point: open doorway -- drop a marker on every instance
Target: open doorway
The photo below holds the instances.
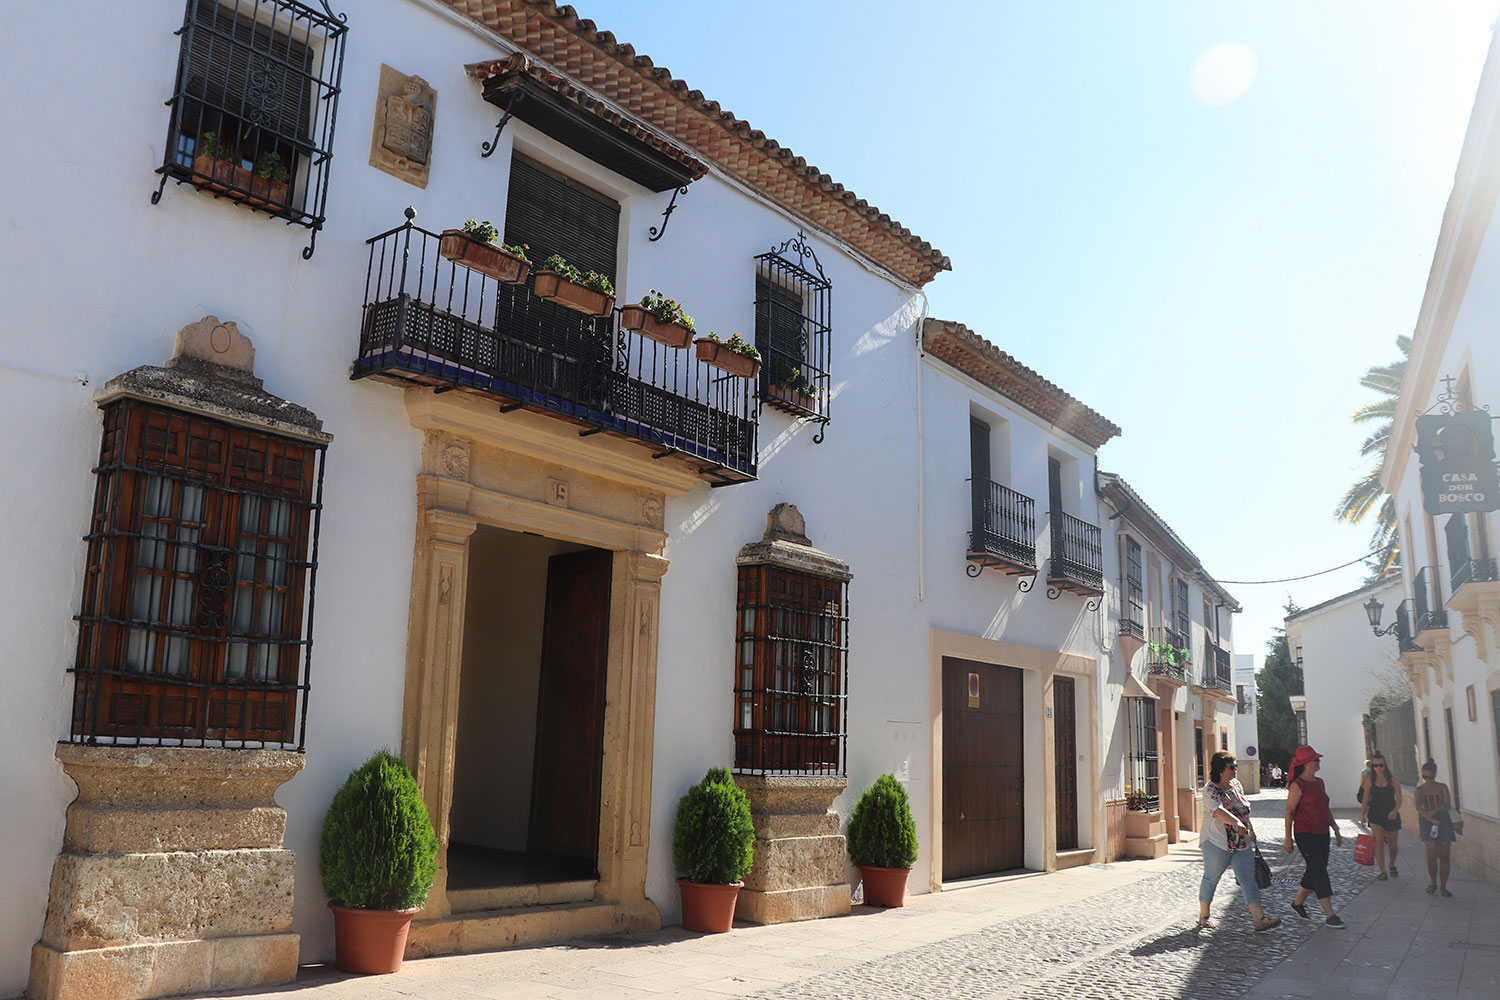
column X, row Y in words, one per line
column 529, row 748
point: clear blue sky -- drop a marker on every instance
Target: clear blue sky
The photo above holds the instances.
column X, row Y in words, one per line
column 1212, row 273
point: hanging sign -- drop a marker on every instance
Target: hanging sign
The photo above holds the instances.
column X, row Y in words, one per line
column 1457, row 451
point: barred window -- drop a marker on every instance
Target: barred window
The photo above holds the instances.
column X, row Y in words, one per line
column 1144, row 766
column 790, row 674
column 792, row 325
column 191, row 626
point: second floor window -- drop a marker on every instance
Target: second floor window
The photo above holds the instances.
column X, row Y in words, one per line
column 1180, row 611
column 1132, row 611
column 792, row 330
column 553, row 214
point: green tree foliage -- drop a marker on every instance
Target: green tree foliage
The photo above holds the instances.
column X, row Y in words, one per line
column 1367, row 494
column 882, row 832
column 714, row 839
column 378, row 851
column 1278, row 679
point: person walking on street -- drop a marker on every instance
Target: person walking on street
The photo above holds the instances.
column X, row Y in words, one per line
column 1435, row 823
column 1382, row 805
column 1275, row 775
column 1308, row 820
column 1226, row 841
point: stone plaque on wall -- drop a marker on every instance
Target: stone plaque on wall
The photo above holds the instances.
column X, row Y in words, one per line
column 401, row 143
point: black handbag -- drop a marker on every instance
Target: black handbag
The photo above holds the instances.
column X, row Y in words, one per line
column 1262, row 870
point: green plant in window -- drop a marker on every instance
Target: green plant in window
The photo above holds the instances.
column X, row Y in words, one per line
column 737, row 344
column 210, row 146
column 588, row 279
column 792, row 379
column 517, row 250
column 665, row 310
column 484, row 231
column 268, row 165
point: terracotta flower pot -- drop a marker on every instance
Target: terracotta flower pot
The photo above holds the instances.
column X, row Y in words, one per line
column 369, row 942
column 794, row 400
column 486, row 258
column 706, row 907
column 639, row 319
column 723, row 358
column 221, row 173
column 265, row 191
column 884, row 886
column 555, row 288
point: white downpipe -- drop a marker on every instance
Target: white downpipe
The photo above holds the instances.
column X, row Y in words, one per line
column 921, row 482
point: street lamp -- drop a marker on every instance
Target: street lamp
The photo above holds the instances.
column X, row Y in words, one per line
column 1373, row 608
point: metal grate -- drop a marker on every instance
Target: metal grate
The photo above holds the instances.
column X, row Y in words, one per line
column 1077, row 562
column 1144, row 766
column 1003, row 525
column 256, row 100
column 792, row 325
column 1133, row 599
column 196, row 620
column 791, row 672
column 1427, row 601
column 1166, row 654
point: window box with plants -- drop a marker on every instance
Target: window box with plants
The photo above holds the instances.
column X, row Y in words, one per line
column 377, row 857
column 713, row 846
column 588, row 292
column 883, row 841
column 735, row 355
column 477, row 246
column 659, row 318
column 790, row 389
column 265, row 183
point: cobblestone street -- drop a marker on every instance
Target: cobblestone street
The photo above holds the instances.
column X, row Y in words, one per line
column 1105, row 931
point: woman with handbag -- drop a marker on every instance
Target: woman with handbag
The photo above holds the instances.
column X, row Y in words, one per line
column 1228, row 839
column 1435, row 823
column 1308, row 820
column 1382, row 806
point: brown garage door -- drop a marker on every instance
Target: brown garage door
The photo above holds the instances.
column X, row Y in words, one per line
column 983, row 783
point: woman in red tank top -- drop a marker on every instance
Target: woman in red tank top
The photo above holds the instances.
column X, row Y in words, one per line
column 1308, row 820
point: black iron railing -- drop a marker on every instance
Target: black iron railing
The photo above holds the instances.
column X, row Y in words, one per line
column 1405, row 638
column 1167, row 654
column 1223, row 675
column 1003, row 528
column 431, row 321
column 1143, row 778
column 1133, row 618
column 1467, row 567
column 1077, row 562
column 1427, row 601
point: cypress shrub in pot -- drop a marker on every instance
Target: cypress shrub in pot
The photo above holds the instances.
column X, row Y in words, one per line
column 883, row 841
column 377, row 857
column 713, row 846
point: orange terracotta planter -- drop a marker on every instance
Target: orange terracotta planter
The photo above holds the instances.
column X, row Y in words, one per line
column 486, row 258
column 555, row 288
column 884, row 886
column 221, row 173
column 708, row 908
column 369, row 942
column 723, row 358
column 639, row 319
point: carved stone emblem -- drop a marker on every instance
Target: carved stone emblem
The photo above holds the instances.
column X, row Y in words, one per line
column 651, row 512
column 456, row 461
column 220, row 342
column 405, row 111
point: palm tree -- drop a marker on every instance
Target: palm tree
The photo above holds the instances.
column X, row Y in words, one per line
column 1367, row 493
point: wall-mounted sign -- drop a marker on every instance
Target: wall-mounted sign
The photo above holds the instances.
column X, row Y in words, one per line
column 1249, row 751
column 973, row 690
column 1457, row 451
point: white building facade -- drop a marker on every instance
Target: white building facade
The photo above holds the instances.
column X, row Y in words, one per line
column 1246, row 728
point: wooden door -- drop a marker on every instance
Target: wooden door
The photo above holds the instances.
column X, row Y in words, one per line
column 983, row 780
column 566, row 776
column 1065, row 742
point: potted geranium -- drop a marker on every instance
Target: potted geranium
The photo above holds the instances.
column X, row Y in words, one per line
column 269, row 179
column 883, row 841
column 790, row 385
column 735, row 355
column 477, row 246
column 713, row 846
column 659, row 318
column 377, row 857
column 588, row 292
column 216, row 161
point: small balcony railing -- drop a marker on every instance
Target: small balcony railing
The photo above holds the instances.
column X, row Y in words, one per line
column 1002, row 531
column 1167, row 654
column 1133, row 617
column 1405, row 639
column 1077, row 562
column 1475, row 570
column 1427, row 601
column 1223, row 676
column 430, row 321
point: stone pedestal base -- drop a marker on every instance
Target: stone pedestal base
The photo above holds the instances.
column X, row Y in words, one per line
column 172, row 877
column 799, row 870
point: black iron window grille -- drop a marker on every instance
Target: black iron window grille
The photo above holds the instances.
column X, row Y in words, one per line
column 1077, row 560
column 1002, row 531
column 1167, row 654
column 1223, row 677
column 1467, row 566
column 1180, row 612
column 792, row 326
column 1427, row 601
column 791, row 672
column 1143, row 781
column 196, row 619
column 1132, row 594
column 253, row 113
column 431, row 321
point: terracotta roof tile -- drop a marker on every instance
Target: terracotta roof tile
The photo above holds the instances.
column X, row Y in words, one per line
column 575, row 46
column 982, row 361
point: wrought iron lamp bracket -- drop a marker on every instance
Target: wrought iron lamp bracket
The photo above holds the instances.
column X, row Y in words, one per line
column 489, row 148
column 666, row 215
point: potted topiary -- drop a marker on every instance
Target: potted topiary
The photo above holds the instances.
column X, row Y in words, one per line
column 377, row 857
column 713, row 845
column 735, row 355
column 588, row 292
column 477, row 246
column 883, row 841
column 659, row 318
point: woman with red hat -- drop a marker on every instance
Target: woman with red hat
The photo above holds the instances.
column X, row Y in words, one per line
column 1308, row 820
column 1382, row 805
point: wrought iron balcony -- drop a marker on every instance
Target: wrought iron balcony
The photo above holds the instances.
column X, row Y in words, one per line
column 1077, row 562
column 1223, row 674
column 1405, row 641
column 1475, row 571
column 1133, row 618
column 1167, row 654
column 1427, row 602
column 430, row 321
column 1002, row 532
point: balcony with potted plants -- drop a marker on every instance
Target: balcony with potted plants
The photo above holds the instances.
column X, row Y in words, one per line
column 457, row 310
column 1168, row 656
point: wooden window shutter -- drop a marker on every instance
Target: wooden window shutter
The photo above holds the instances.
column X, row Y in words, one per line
column 554, row 215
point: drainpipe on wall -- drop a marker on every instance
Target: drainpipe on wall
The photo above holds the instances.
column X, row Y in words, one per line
column 921, row 483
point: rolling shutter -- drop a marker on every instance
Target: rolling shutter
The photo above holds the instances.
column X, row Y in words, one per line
column 554, row 215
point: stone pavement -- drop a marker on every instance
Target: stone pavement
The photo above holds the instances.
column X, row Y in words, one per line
column 1105, row 931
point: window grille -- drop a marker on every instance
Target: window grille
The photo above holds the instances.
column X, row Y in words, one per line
column 792, row 326
column 1144, row 777
column 196, row 616
column 1181, row 613
column 253, row 113
column 790, row 672
column 1133, row 607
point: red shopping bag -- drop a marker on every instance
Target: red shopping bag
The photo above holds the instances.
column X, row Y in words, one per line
column 1364, row 849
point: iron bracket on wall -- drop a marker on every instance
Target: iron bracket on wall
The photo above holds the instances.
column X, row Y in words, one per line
column 1026, row 584
column 973, row 569
column 666, row 216
column 516, row 97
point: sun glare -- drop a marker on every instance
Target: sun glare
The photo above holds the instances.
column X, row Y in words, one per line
column 1223, row 74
